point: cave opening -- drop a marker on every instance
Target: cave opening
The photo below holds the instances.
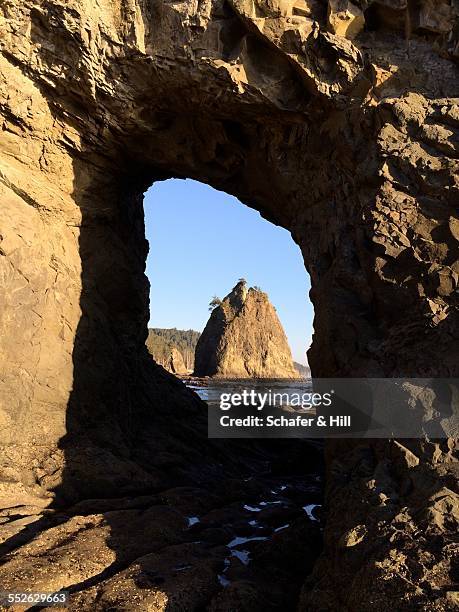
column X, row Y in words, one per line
column 336, row 122
column 201, row 241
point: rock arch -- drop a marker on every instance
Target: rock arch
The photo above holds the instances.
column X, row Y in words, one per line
column 351, row 145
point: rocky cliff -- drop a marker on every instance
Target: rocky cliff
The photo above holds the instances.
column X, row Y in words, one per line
column 173, row 348
column 174, row 362
column 337, row 120
column 244, row 339
column 303, row 370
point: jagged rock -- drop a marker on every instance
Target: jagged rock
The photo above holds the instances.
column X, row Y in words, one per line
column 173, row 348
column 176, row 364
column 350, row 145
column 454, row 227
column 439, row 16
column 244, row 339
column 167, row 355
column 345, row 19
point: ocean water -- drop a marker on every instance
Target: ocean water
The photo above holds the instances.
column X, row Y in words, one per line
column 210, row 390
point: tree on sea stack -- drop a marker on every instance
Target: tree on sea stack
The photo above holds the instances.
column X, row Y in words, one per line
column 214, row 303
column 244, row 338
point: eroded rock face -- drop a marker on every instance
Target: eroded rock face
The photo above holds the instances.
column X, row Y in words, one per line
column 176, row 364
column 244, row 339
column 172, row 361
column 351, row 145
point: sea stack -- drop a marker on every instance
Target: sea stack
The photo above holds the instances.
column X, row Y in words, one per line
column 244, row 338
column 168, row 347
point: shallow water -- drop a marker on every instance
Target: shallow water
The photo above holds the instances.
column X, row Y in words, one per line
column 309, row 510
column 286, row 495
column 209, row 390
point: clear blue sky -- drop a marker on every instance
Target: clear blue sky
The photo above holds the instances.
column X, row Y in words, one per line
column 202, row 241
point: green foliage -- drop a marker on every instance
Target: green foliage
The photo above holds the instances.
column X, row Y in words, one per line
column 242, row 280
column 257, row 288
column 214, row 303
column 160, row 343
column 159, row 348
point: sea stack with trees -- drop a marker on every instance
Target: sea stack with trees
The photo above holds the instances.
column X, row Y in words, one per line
column 244, row 338
column 173, row 348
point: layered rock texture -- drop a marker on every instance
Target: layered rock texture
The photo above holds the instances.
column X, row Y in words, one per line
column 244, row 339
column 338, row 121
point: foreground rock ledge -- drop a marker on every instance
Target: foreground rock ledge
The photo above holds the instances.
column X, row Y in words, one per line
column 351, row 145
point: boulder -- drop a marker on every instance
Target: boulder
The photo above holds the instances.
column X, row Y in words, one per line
column 345, row 18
